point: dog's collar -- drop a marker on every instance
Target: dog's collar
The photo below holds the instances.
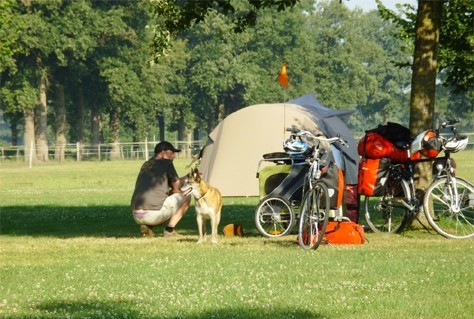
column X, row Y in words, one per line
column 203, row 195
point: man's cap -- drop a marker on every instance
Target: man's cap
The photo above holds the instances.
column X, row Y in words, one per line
column 165, row 146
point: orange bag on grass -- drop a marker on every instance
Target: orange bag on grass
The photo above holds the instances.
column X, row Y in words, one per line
column 339, row 233
column 344, row 232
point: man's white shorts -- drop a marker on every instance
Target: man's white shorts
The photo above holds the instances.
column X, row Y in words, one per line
column 157, row 217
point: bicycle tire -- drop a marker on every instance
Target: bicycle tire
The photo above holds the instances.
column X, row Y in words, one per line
column 314, row 216
column 445, row 217
column 274, row 217
column 381, row 215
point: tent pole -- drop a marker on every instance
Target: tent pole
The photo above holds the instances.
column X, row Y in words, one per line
column 284, row 118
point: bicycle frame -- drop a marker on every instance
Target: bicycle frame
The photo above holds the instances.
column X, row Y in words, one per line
column 451, row 181
column 314, row 171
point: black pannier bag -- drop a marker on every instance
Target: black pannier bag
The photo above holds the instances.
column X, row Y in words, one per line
column 396, row 133
column 333, row 177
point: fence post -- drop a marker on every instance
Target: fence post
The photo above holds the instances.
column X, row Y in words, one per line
column 31, row 155
column 145, row 155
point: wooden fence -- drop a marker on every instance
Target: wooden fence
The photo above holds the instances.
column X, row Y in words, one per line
column 102, row 152
column 124, row 151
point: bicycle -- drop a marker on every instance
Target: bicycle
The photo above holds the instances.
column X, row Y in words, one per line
column 277, row 210
column 448, row 202
column 315, row 205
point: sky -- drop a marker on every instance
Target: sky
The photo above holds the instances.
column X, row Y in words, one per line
column 368, row 5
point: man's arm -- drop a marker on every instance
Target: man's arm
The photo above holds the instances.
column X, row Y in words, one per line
column 176, row 185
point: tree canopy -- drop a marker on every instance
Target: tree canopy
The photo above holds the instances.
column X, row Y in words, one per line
column 92, row 60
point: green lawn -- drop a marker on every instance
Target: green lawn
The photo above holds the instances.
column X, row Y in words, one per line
column 69, row 248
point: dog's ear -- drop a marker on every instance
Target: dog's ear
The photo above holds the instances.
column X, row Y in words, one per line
column 193, row 173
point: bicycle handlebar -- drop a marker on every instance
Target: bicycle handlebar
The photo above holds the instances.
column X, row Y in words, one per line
column 330, row 140
column 450, row 123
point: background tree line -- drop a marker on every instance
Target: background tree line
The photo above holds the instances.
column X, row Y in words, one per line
column 80, row 70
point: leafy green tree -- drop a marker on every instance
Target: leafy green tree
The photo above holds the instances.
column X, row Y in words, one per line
column 452, row 44
column 10, row 33
column 348, row 64
column 214, row 69
column 31, row 51
column 173, row 17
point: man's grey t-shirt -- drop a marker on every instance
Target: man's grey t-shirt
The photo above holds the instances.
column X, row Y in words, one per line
column 153, row 184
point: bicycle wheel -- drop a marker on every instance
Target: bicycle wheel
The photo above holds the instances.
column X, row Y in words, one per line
column 314, row 217
column 274, row 217
column 449, row 216
column 385, row 213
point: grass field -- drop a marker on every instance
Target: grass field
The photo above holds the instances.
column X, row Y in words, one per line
column 69, row 248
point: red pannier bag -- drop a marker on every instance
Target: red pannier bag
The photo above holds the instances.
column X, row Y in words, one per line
column 372, row 175
column 351, row 199
column 398, row 155
column 344, row 232
column 374, row 145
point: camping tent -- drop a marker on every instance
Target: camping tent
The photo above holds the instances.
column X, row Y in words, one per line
column 231, row 157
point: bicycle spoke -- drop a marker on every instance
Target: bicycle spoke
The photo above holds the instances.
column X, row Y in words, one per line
column 445, row 216
column 274, row 217
column 313, row 217
column 383, row 213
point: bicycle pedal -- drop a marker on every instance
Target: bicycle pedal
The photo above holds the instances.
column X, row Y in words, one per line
column 404, row 202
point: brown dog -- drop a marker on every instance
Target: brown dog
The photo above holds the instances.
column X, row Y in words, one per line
column 207, row 202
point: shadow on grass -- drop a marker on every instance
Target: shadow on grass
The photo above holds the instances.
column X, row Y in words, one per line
column 124, row 309
column 102, row 221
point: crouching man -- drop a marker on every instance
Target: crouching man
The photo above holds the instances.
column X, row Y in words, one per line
column 157, row 198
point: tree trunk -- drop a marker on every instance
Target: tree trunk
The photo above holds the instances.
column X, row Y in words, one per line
column 80, row 114
column 41, row 120
column 196, row 132
column 95, row 125
column 161, row 126
column 423, row 85
column 29, row 133
column 80, row 120
column 115, row 134
column 181, row 125
column 61, row 124
column 14, row 122
column 221, row 112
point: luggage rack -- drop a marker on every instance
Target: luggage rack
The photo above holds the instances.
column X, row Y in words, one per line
column 280, row 158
